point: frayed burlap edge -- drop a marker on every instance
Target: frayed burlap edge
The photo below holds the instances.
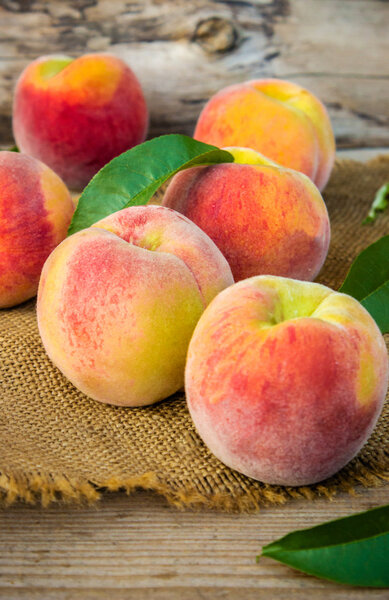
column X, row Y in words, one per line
column 46, row 489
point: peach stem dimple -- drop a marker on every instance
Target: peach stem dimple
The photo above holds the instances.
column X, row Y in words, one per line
column 51, row 68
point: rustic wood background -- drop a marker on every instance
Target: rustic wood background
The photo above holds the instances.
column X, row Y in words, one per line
column 138, row 548
column 184, row 51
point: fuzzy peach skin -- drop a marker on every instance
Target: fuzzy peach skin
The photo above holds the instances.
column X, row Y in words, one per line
column 118, row 303
column 264, row 218
column 278, row 118
column 35, row 213
column 285, row 379
column 76, row 115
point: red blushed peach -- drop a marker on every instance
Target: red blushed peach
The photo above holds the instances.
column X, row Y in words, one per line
column 35, row 213
column 277, row 118
column 285, row 379
column 264, row 218
column 118, row 303
column 76, row 115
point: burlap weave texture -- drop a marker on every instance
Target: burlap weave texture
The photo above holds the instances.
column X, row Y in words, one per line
column 55, row 443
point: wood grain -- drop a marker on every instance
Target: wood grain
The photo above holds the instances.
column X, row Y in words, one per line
column 138, row 547
column 183, row 52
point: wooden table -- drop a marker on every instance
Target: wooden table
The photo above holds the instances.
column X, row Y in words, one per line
column 138, row 547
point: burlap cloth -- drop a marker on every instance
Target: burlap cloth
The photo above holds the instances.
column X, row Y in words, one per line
column 56, row 444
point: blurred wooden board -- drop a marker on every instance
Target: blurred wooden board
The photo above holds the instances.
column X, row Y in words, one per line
column 183, row 52
column 140, row 548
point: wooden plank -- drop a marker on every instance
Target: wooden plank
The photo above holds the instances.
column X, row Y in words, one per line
column 185, row 51
column 143, row 545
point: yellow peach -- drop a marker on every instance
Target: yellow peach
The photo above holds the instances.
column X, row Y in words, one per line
column 265, row 219
column 278, row 118
column 285, row 379
column 77, row 114
column 118, row 302
column 35, row 213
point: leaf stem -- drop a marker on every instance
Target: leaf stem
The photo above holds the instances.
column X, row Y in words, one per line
column 380, row 203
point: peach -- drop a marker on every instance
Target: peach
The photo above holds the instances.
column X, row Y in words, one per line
column 76, row 115
column 35, row 213
column 278, row 118
column 264, row 218
column 285, row 379
column 118, row 303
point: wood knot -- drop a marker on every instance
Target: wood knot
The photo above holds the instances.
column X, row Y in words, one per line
column 216, row 35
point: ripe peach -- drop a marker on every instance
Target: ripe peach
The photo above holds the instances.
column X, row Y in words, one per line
column 35, row 213
column 76, row 115
column 278, row 118
column 285, row 379
column 265, row 219
column 118, row 303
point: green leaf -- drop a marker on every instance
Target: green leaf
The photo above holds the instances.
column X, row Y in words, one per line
column 353, row 550
column 132, row 178
column 13, row 149
column 368, row 281
column 380, row 202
